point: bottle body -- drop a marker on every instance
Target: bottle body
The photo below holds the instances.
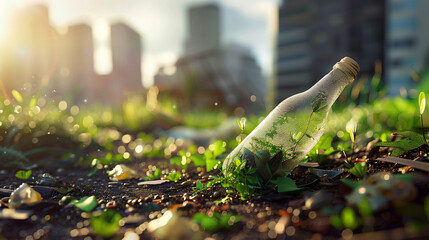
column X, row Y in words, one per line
column 298, row 122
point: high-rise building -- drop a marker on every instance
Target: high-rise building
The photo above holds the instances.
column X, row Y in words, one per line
column 293, row 48
column 27, row 57
column 407, row 45
column 313, row 35
column 61, row 62
column 126, row 56
column 203, row 29
column 210, row 74
column 75, row 71
column 76, row 75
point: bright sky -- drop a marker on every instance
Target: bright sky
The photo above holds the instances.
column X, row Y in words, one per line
column 162, row 25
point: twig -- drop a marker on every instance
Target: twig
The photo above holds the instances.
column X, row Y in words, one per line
column 415, row 164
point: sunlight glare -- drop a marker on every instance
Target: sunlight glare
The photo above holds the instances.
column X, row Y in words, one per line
column 102, row 54
column 4, row 24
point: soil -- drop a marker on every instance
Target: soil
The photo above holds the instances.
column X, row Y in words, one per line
column 272, row 216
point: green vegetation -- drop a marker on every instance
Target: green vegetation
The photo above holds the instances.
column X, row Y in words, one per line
column 408, row 141
column 86, row 204
column 215, row 222
column 23, row 175
column 38, row 132
column 359, row 170
column 106, row 224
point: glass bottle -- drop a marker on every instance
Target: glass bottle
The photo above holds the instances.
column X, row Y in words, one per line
column 298, row 122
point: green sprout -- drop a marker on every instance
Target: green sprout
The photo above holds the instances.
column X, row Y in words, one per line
column 153, row 176
column 174, row 176
column 17, row 96
column 23, row 175
column 211, row 161
column 86, row 204
column 422, row 105
column 317, row 103
column 106, row 224
column 409, row 141
column 359, row 169
column 349, row 218
column 216, row 221
column 352, row 137
column 241, row 124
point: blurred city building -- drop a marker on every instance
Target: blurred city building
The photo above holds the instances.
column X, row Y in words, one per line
column 126, row 54
column 125, row 77
column 60, row 62
column 407, row 48
column 204, row 31
column 211, row 74
column 313, row 35
column 75, row 72
column 27, row 58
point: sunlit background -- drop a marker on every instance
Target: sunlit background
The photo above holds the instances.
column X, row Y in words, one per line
column 208, row 53
column 57, row 32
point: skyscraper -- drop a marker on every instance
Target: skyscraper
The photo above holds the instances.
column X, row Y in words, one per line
column 126, row 56
column 211, row 74
column 27, row 58
column 407, row 47
column 313, row 35
column 293, row 48
column 76, row 76
column 203, row 29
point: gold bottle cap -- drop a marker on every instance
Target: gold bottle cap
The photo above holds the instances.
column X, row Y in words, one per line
column 348, row 66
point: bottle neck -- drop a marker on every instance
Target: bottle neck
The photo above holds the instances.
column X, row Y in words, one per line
column 332, row 85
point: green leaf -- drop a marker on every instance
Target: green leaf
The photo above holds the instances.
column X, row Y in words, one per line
column 409, row 141
column 336, row 222
column 211, row 164
column 408, row 177
column 17, row 96
column 364, row 208
column 422, row 102
column 32, row 102
column 228, row 220
column 215, row 222
column 175, row 160
column 64, row 190
column 199, row 161
column 156, row 175
column 352, row 184
column 285, row 185
column 86, row 204
column 106, row 224
column 250, row 157
column 241, row 123
column 198, row 217
column 324, row 143
column 359, row 170
column 318, row 102
column 210, row 224
column 218, row 149
column 276, row 161
column 349, row 218
column 182, row 153
column 23, row 175
column 262, row 167
column 208, row 154
column 262, row 156
column 174, row 176
column 199, row 185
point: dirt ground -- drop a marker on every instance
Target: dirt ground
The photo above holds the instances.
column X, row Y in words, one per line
column 271, row 216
